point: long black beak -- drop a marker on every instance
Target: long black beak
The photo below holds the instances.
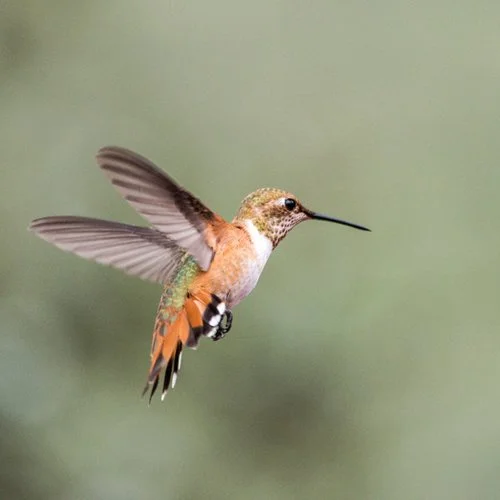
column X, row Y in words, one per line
column 316, row 216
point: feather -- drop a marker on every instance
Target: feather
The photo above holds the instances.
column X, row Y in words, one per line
column 139, row 251
column 162, row 202
column 176, row 327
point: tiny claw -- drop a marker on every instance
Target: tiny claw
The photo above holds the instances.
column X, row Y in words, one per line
column 224, row 328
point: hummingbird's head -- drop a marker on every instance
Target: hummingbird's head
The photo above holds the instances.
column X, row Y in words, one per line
column 275, row 212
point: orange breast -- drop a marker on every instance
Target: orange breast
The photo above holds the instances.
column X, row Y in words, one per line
column 233, row 272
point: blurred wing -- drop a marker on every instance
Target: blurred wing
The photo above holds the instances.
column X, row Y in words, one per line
column 138, row 251
column 162, row 202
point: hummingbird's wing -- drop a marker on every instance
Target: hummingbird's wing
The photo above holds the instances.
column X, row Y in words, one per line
column 139, row 251
column 162, row 202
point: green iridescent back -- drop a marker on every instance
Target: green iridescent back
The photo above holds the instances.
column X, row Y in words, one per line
column 174, row 293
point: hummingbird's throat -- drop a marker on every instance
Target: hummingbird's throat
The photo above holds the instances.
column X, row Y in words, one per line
column 262, row 244
column 275, row 227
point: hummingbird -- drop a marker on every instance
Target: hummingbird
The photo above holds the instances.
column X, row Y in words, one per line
column 205, row 264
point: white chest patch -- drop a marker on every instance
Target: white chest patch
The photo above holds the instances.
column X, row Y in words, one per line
column 262, row 244
column 263, row 249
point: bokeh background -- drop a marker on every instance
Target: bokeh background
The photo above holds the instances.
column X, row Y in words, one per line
column 364, row 366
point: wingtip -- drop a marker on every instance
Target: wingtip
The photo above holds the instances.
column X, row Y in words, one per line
column 106, row 152
column 35, row 224
column 108, row 147
column 103, row 153
column 41, row 224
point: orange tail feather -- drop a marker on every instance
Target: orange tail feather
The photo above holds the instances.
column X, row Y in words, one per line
column 200, row 315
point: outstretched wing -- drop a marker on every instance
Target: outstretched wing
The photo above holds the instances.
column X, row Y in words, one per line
column 139, row 251
column 162, row 202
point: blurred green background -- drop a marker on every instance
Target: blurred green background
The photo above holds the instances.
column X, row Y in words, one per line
column 364, row 366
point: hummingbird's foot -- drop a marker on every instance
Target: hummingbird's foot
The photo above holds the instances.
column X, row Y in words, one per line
column 224, row 328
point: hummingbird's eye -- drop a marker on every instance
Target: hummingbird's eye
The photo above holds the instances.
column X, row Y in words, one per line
column 290, row 204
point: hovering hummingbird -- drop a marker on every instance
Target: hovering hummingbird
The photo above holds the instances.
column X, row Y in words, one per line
column 206, row 264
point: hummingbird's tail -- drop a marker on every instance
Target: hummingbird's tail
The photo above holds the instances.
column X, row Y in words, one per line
column 179, row 327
